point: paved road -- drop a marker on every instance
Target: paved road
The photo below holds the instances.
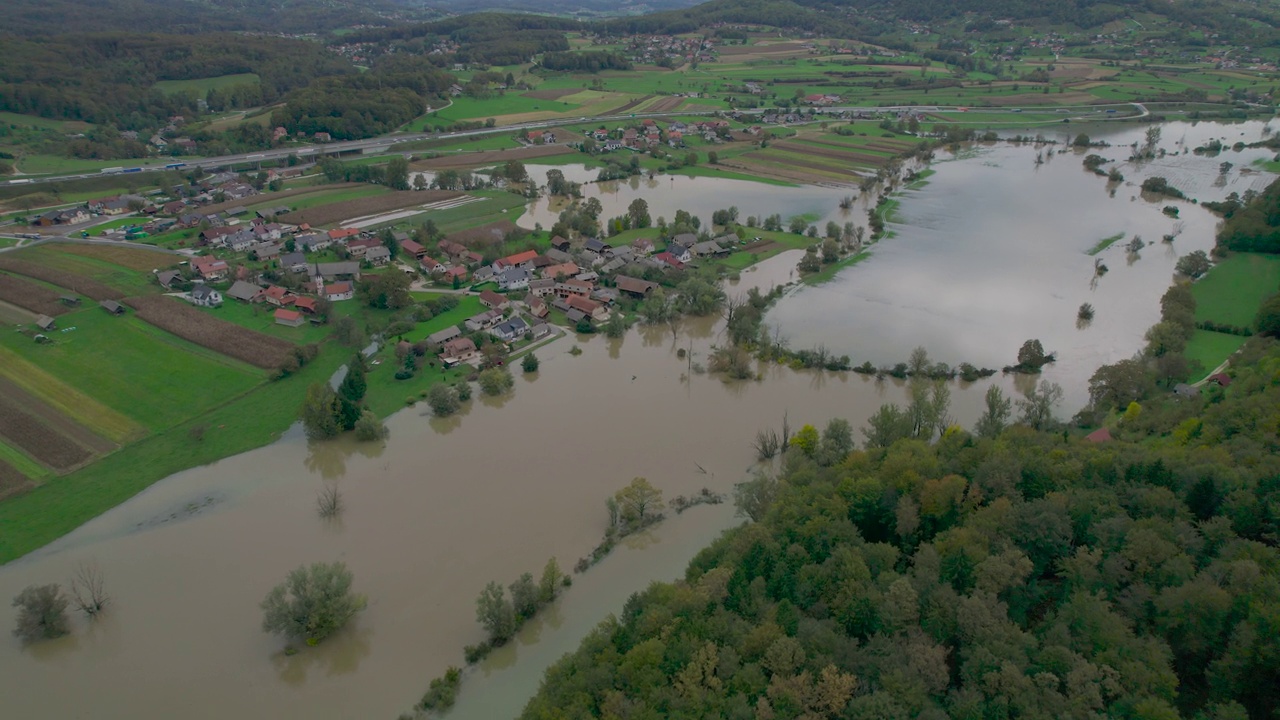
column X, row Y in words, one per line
column 387, row 142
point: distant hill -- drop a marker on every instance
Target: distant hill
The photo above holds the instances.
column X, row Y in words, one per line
column 46, row 17
column 573, row 8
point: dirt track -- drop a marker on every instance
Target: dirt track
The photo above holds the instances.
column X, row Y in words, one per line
column 337, row 212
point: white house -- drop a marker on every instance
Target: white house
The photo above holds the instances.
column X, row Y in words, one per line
column 205, row 296
column 513, row 279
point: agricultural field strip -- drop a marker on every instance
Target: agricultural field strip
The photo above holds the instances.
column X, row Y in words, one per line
column 13, row 481
column 30, row 296
column 28, row 433
column 68, row 281
column 56, row 420
column 335, row 213
column 110, row 424
column 210, row 332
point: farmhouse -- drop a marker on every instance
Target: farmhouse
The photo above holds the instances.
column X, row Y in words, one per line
column 444, row 336
column 412, row 248
column 278, row 296
column 358, row 248
column 458, row 350
column 294, row 262
column 336, row 270
column 306, row 305
column 340, row 234
column 265, row 251
column 590, row 308
column 210, row 268
column 514, row 260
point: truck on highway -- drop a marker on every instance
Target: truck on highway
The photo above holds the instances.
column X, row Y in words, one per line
column 175, row 166
column 23, row 181
column 112, row 171
column 131, row 170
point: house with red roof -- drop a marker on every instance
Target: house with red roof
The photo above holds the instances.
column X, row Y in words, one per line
column 343, row 233
column 515, row 260
column 279, row 296
column 289, row 318
column 669, row 259
column 210, row 268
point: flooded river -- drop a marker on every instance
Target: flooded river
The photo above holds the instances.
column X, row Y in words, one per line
column 447, row 505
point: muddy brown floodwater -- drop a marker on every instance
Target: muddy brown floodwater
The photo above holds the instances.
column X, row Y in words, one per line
column 445, row 506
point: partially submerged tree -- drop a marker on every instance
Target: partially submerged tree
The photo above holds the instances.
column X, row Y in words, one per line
column 88, row 588
column 312, row 603
column 42, row 613
column 637, row 499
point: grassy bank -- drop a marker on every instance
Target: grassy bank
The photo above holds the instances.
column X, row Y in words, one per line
column 1210, row 349
column 1104, row 243
column 829, row 271
column 1234, row 289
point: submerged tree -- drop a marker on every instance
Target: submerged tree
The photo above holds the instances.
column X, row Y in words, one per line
column 314, row 602
column 88, row 588
column 42, row 613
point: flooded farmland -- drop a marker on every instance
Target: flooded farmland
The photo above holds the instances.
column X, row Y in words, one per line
column 445, row 506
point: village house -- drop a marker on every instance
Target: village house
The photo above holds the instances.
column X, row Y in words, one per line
column 347, row 270
column 265, row 251
column 205, row 296
column 483, row 321
column 294, row 262
column 573, row 287
column 244, row 292
column 559, row 243
column 306, row 305
column 592, row 309
column 431, row 265
column 642, row 246
column 360, row 246
column 511, row 330
column 669, row 260
column 558, row 256
column 536, row 306
column 239, row 241
column 708, row 249
column 679, row 252
column 483, row 274
column 312, row 242
column 542, row 287
column 513, row 279
column 412, row 249
column 278, row 296
column 62, row 217
column 210, row 268
column 563, row 270
column 457, row 273
column 450, row 248
column 289, row 318
column 635, row 287
column 336, row 292
column 594, row 245
column 380, row 255
column 516, row 260
column 343, row 234
column 493, row 300
column 168, row 278
column 458, row 350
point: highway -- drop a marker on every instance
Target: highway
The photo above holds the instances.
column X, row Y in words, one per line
column 388, row 142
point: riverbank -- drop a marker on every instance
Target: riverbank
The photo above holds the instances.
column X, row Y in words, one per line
column 1230, row 295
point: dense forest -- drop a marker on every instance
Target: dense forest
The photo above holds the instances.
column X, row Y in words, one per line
column 1253, row 226
column 1007, row 574
column 394, row 91
column 482, row 38
column 107, row 78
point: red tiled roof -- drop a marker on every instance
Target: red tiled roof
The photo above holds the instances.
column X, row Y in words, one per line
column 288, row 315
column 519, row 258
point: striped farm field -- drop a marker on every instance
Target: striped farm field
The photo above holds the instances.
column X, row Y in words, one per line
column 33, row 379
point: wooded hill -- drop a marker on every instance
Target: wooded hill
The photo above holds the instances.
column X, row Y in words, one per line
column 32, row 18
column 1028, row 575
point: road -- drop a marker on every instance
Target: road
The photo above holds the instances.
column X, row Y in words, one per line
column 387, row 142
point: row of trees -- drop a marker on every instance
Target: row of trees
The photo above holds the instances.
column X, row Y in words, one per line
column 326, row 412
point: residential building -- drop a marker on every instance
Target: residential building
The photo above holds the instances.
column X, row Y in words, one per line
column 290, row 318
column 244, row 292
column 336, row 292
column 205, row 296
column 511, row 330
column 493, row 300
column 379, row 255
column 513, row 279
column 294, row 262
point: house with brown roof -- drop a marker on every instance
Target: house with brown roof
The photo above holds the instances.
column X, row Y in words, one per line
column 542, row 287
column 458, row 350
column 634, row 287
column 359, row 247
column 245, row 292
column 458, row 272
column 413, row 248
column 573, row 287
column 289, row 318
column 493, row 300
column 278, row 296
column 592, row 309
column 537, row 307
column 210, row 268
column 306, row 305
column 340, row 234
column 563, row 270
column 515, row 260
column 336, row 292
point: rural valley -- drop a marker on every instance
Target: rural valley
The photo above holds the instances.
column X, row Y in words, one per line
column 753, row 360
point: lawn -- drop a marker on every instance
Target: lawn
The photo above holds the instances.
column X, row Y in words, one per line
column 201, row 86
column 1234, row 289
column 130, row 366
column 260, row 317
column 1211, row 348
column 234, row 425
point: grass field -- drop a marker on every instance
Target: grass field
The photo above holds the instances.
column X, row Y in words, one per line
column 129, row 366
column 201, row 86
column 1211, row 348
column 1234, row 289
column 1104, row 243
column 130, row 282
column 260, row 317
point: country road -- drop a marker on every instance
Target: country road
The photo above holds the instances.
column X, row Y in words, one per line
column 387, row 142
